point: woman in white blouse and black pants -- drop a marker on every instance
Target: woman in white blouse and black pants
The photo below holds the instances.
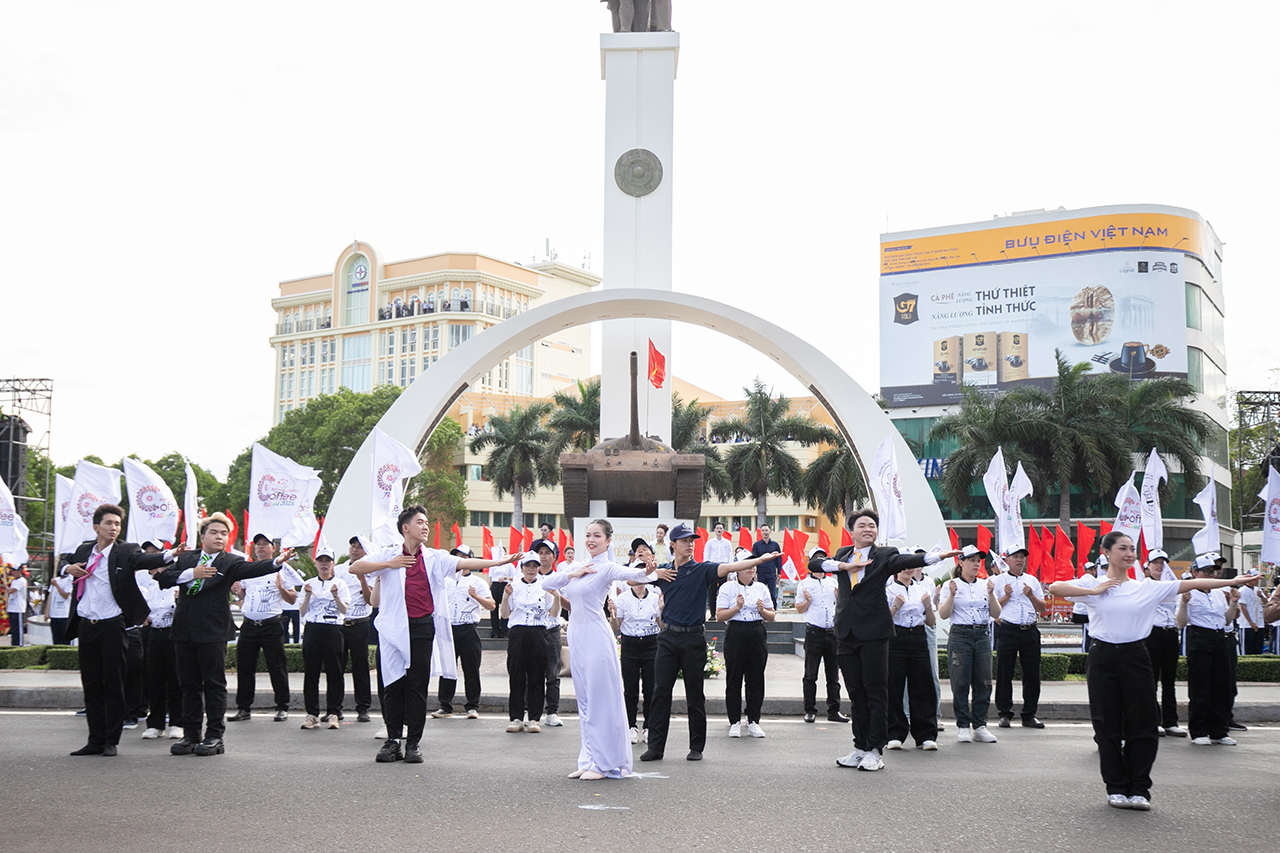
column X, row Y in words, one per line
column 911, row 605
column 745, row 604
column 637, row 614
column 525, row 607
column 970, row 604
column 1122, row 688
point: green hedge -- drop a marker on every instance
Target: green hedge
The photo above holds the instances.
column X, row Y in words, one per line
column 62, row 657
column 20, row 657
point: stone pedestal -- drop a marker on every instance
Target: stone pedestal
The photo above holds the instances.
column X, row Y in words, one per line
column 639, row 70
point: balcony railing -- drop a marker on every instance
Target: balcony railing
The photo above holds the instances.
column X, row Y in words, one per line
column 303, row 326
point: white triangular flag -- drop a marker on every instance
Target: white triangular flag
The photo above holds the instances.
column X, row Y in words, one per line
column 1271, row 518
column 996, row 484
column 153, row 510
column 62, row 488
column 94, row 486
column 1208, row 538
column 191, row 509
column 1152, row 522
column 888, row 491
column 1129, row 516
column 1019, row 490
column 277, row 489
column 13, row 532
column 390, row 465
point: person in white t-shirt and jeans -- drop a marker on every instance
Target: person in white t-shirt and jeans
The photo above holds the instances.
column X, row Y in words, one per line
column 17, row 607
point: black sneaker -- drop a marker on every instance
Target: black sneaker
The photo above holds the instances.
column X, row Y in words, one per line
column 362, row 717
column 1005, row 721
column 281, row 716
column 809, row 718
column 239, row 717
column 390, row 751
column 694, row 755
column 651, row 755
column 412, row 755
column 1236, row 727
column 210, row 746
column 186, row 746
column 82, row 712
column 109, row 751
column 130, row 723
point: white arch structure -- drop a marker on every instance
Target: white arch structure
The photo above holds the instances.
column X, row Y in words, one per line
column 427, row 400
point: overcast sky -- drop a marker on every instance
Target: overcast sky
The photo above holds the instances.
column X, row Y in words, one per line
column 164, row 165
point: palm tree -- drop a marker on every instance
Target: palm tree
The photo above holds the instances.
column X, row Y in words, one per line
column 763, row 464
column 1151, row 412
column 688, row 421
column 517, row 443
column 834, row 482
column 574, row 424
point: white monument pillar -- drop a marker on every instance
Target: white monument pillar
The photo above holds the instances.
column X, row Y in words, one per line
column 639, row 70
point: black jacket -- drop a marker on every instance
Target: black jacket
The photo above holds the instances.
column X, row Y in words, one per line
column 862, row 611
column 125, row 559
column 206, row 616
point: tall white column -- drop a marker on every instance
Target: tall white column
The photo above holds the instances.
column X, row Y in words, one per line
column 639, row 70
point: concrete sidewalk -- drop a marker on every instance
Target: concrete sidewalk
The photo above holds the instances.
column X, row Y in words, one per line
column 1059, row 700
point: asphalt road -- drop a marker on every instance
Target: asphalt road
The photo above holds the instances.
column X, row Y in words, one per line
column 279, row 788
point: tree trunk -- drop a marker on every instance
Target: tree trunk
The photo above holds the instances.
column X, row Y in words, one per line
column 1064, row 502
column 517, row 507
column 762, row 507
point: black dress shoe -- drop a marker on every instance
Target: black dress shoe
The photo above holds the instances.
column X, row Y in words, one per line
column 651, row 755
column 340, row 717
column 390, row 751
column 1005, row 721
column 362, row 717
column 693, row 755
column 412, row 755
column 281, row 716
column 1032, row 723
column 240, row 716
column 186, row 746
column 82, row 712
column 809, row 718
column 210, row 746
column 88, row 749
column 837, row 717
column 109, row 751
column 1236, row 727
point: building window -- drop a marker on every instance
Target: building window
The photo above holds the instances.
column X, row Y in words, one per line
column 357, row 363
column 466, row 299
column 475, row 473
column 523, row 365
column 1206, row 377
column 459, row 334
column 479, row 519
column 357, row 290
column 502, row 519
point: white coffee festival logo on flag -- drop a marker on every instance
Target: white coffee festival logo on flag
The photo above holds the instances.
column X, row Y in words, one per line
column 391, row 463
column 1271, row 520
column 153, row 508
column 94, row 486
column 1208, row 538
column 63, row 486
column 13, row 531
column 888, row 492
column 1129, row 504
column 1152, row 522
column 278, row 488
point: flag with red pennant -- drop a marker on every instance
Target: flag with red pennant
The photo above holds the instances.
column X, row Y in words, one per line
column 1047, row 569
column 657, row 366
column 1063, row 551
column 984, row 543
column 800, row 542
column 824, row 542
column 700, row 544
column 528, row 539
column 231, row 538
column 319, row 531
column 1104, row 527
column 436, row 541
column 457, row 535
column 952, row 535
column 486, row 543
column 515, row 542
column 1085, row 538
column 744, row 538
column 561, row 541
column 1033, row 553
column 846, row 539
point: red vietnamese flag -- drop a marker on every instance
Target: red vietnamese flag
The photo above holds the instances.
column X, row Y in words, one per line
column 984, row 543
column 846, row 539
column 245, row 528
column 1033, row 553
column 953, row 536
column 528, row 539
column 1142, row 556
column 457, row 535
column 514, row 541
column 700, row 544
column 801, row 542
column 787, row 548
column 744, row 538
column 1104, row 527
column 824, row 542
column 183, row 522
column 436, row 545
column 560, row 540
column 1047, row 569
column 231, row 537
column 319, row 531
column 657, row 366
column 486, row 543
column 1063, row 549
column 1084, row 544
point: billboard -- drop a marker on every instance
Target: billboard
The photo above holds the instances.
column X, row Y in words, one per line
column 1117, row 302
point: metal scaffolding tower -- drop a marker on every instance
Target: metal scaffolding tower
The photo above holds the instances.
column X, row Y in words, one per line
column 26, row 422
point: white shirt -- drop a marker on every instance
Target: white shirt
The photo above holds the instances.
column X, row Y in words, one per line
column 971, row 606
column 1166, row 611
column 1018, row 610
column 393, row 616
column 1088, row 582
column 59, row 607
column 463, row 609
column 1251, row 601
column 548, row 621
column 822, row 601
column 529, row 604
column 359, row 608
column 911, row 613
column 322, row 608
column 718, row 551
column 262, row 598
column 98, row 602
column 1126, row 613
column 639, row 615
column 161, row 601
column 1207, row 609
column 502, row 573
column 18, row 595
column 754, row 597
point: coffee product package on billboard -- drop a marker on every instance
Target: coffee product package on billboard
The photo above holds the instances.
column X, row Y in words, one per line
column 947, row 356
column 1012, row 358
column 979, row 359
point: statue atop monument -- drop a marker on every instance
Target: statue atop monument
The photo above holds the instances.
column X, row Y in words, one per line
column 640, row 16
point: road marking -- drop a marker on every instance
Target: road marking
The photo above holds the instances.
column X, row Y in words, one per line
column 599, row 808
column 649, row 776
column 39, row 713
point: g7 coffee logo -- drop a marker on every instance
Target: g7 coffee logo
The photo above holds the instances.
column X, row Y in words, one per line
column 905, row 308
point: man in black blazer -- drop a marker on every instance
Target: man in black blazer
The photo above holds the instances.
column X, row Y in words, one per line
column 201, row 624
column 105, row 600
column 863, row 628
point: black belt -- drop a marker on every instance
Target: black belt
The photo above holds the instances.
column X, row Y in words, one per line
column 919, row 627
column 1094, row 641
column 733, row 622
column 1021, row 626
column 968, row 627
column 119, row 618
column 684, row 629
column 1218, row 631
column 1164, row 628
column 356, row 621
column 809, row 627
column 271, row 621
column 423, row 620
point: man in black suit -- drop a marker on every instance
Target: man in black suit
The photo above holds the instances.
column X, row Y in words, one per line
column 863, row 628
column 104, row 601
column 201, row 625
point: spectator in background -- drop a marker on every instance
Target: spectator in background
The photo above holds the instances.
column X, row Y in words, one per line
column 17, row 606
column 767, row 572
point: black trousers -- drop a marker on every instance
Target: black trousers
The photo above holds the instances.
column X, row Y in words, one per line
column 865, row 667
column 526, row 671
column 292, row 622
column 102, row 663
column 377, row 655
column 467, row 651
column 202, row 675
column 58, row 628
column 1122, row 693
column 553, row 642
column 1013, row 643
column 1163, row 647
column 322, row 650
column 17, row 627
column 162, row 681
column 135, row 676
column 909, row 667
column 677, row 653
column 355, row 652
column 1208, row 683
column 820, row 650
column 745, row 655
column 497, row 625
column 638, row 656
column 1233, row 656
column 269, row 638
column 405, row 699
column 1253, row 640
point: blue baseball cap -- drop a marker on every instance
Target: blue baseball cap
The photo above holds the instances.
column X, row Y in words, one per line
column 681, row 531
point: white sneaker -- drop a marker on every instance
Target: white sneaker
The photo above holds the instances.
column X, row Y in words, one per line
column 644, row 735
column 1175, row 731
column 853, row 759
column 1118, row 801
column 311, row 722
column 929, row 746
column 981, row 735
column 533, row 728
column 964, row 735
column 735, row 730
column 635, row 735
column 553, row 721
column 515, row 726
column 871, row 761
column 1225, row 741
column 1201, row 741
column 333, row 721
column 440, row 714
column 754, row 730
column 174, row 732
column 893, row 744
column 380, row 734
column 473, row 714
column 1139, row 803
column 151, row 734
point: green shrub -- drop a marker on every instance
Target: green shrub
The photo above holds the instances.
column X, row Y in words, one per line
column 1076, row 662
column 1258, row 668
column 19, row 657
column 943, row 663
column 63, row 657
column 1054, row 667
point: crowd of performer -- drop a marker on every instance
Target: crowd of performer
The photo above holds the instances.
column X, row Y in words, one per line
column 870, row 616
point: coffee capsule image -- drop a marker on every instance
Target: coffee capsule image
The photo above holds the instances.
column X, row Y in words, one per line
column 977, row 363
column 1014, row 360
column 1092, row 313
column 1133, row 360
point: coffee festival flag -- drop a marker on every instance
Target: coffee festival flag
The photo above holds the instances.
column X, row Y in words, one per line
column 153, row 510
column 94, row 486
column 63, row 486
column 1207, row 539
column 888, row 492
column 391, row 464
column 13, row 531
column 1129, row 506
column 1271, row 517
column 191, row 510
column 278, row 488
column 1152, row 522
